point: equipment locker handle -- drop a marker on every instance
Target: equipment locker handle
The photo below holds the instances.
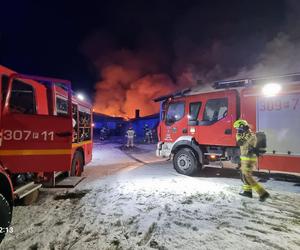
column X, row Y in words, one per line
column 228, row 131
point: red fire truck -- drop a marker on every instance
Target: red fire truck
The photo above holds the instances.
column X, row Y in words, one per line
column 196, row 129
column 44, row 131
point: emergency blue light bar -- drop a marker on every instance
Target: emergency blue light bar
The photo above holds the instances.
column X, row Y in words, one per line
column 232, row 84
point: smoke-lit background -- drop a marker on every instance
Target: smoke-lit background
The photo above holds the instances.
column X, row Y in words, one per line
column 125, row 53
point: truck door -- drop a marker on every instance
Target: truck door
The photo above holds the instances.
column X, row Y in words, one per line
column 193, row 115
column 34, row 139
column 175, row 122
column 216, row 113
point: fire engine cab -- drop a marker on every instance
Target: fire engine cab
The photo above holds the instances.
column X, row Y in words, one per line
column 44, row 131
column 196, row 128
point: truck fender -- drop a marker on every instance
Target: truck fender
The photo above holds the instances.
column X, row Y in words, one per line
column 187, row 141
column 6, row 187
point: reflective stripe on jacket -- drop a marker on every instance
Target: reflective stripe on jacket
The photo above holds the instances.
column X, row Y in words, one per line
column 244, row 158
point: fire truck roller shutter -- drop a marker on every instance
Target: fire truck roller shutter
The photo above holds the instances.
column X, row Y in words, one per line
column 186, row 144
column 279, row 118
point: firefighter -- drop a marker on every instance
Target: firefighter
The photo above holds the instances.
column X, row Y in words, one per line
column 246, row 139
column 148, row 134
column 130, row 134
column 104, row 133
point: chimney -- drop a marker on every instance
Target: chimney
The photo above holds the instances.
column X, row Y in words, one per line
column 199, row 82
column 137, row 113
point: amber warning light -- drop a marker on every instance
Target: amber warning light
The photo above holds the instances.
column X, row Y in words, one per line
column 213, row 157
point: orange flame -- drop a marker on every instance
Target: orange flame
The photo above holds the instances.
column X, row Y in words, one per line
column 124, row 90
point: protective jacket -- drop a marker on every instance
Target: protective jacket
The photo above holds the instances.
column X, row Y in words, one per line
column 247, row 142
column 130, row 133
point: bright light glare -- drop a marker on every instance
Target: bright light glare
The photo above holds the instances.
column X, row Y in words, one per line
column 80, row 96
column 271, row 89
column 168, row 184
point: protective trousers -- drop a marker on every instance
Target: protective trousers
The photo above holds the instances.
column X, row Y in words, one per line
column 149, row 137
column 129, row 141
column 247, row 178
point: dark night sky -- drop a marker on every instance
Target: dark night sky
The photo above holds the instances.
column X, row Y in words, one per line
column 51, row 38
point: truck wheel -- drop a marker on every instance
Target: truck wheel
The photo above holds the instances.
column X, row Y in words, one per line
column 185, row 162
column 77, row 164
column 5, row 215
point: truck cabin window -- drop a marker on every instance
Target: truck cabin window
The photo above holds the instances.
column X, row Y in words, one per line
column 22, row 99
column 215, row 109
column 175, row 112
column 194, row 111
column 163, row 110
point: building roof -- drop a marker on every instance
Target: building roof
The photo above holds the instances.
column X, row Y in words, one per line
column 148, row 117
column 97, row 115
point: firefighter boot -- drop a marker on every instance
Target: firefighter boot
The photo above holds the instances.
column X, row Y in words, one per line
column 263, row 194
column 263, row 197
column 246, row 194
column 247, row 191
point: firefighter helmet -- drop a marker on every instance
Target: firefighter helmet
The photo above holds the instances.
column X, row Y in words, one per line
column 240, row 123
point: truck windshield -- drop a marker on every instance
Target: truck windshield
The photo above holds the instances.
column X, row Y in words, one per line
column 175, row 112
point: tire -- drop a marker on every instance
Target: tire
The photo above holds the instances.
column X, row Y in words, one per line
column 185, row 162
column 5, row 215
column 77, row 164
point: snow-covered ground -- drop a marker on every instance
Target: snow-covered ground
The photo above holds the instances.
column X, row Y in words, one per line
column 126, row 204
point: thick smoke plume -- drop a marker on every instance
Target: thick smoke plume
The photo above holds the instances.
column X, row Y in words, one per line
column 129, row 79
column 281, row 54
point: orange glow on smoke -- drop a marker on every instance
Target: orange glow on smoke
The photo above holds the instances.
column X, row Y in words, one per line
column 123, row 90
column 130, row 80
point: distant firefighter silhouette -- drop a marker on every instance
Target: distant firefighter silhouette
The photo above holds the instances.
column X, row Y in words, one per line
column 104, row 132
column 148, row 134
column 130, row 134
